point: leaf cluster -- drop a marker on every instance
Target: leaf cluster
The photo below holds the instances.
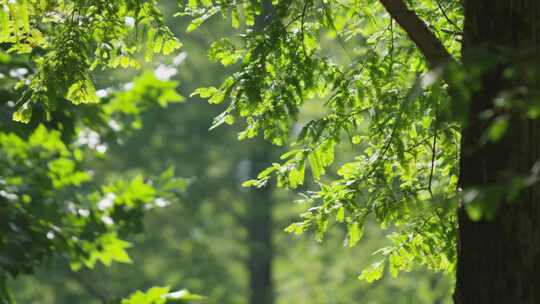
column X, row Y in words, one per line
column 383, row 102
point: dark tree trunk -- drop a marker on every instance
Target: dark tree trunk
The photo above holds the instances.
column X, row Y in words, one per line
column 259, row 225
column 259, row 215
column 499, row 260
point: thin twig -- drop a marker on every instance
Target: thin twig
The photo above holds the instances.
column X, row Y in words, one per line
column 391, row 47
column 446, row 16
column 433, row 154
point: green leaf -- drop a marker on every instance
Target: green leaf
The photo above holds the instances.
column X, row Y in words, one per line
column 356, row 231
column 23, row 114
column 82, row 91
column 399, row 261
column 214, row 95
column 316, row 165
column 296, row 176
column 340, row 215
column 200, row 20
column 373, row 272
column 229, row 119
column 298, row 227
column 498, row 128
column 235, row 20
column 4, row 26
column 154, row 295
column 107, row 249
column 321, row 158
column 170, row 46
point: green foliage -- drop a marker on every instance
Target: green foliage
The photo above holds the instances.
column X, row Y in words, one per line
column 155, row 295
column 373, row 272
column 126, row 107
column 200, row 243
column 35, row 174
column 50, row 208
column 403, row 174
column 52, row 202
column 382, row 99
column 64, row 41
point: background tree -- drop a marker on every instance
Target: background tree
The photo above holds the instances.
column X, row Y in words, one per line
column 259, row 218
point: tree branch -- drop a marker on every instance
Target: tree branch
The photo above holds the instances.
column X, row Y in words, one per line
column 432, row 49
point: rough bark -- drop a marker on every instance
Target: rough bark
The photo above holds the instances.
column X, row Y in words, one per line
column 499, row 260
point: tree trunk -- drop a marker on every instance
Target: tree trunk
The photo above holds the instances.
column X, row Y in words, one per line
column 259, row 225
column 259, row 210
column 499, row 260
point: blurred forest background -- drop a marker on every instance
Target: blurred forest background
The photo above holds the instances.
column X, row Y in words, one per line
column 217, row 239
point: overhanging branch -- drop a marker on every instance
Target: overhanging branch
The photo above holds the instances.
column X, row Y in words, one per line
column 432, row 49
